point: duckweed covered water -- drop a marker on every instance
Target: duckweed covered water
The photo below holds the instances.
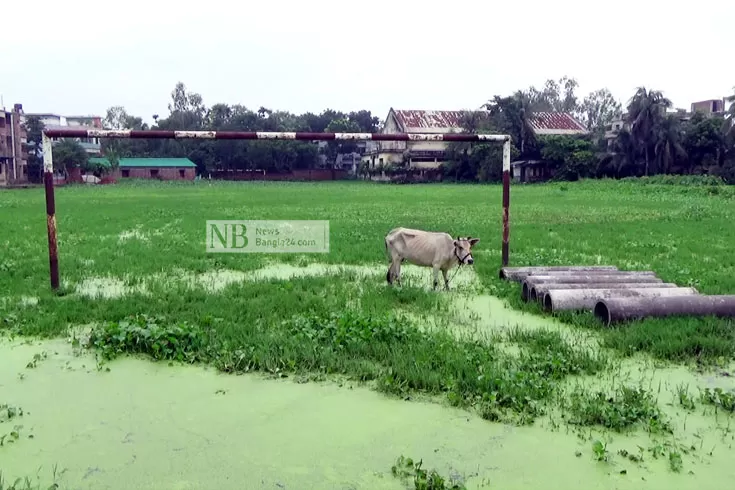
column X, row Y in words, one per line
column 150, row 425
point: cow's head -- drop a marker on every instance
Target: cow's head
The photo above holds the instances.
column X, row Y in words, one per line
column 463, row 249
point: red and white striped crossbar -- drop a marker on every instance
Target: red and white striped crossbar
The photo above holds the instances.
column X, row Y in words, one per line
column 275, row 135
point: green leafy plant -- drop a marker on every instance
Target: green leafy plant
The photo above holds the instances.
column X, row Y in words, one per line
column 407, row 469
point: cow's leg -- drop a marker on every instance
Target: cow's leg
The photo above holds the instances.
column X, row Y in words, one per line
column 446, row 279
column 436, row 276
column 395, row 256
column 398, row 270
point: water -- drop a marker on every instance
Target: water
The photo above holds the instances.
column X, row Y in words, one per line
column 150, row 425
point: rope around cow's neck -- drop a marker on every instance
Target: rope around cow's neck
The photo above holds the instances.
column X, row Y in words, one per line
column 460, row 265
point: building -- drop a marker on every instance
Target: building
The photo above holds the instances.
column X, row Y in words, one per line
column 56, row 121
column 546, row 124
column 712, row 106
column 151, row 168
column 413, row 154
column 13, row 153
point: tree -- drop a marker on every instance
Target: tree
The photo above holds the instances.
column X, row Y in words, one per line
column 599, row 109
column 556, row 96
column 69, row 153
column 34, row 142
column 333, row 148
column 668, row 148
column 570, row 157
column 513, row 115
column 621, row 161
column 646, row 109
column 366, row 122
column 703, row 142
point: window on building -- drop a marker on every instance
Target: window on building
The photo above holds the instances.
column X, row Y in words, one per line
column 154, row 172
column 126, row 173
column 182, row 172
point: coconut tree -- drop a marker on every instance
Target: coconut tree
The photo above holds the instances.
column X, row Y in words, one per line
column 515, row 113
column 646, row 109
column 622, row 159
column 667, row 143
column 728, row 128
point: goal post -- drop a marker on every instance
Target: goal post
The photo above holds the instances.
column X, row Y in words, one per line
column 48, row 166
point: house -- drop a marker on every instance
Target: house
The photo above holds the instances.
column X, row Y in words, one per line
column 413, row 154
column 56, row 121
column 151, row 168
column 13, row 153
column 546, row 124
column 711, row 106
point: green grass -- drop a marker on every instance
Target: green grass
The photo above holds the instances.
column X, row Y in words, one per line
column 319, row 326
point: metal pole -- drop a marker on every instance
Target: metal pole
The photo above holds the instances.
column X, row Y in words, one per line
column 48, row 180
column 506, row 201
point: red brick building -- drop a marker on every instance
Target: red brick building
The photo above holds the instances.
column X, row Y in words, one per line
column 151, row 168
column 13, row 154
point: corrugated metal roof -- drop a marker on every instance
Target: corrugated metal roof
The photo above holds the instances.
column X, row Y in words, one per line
column 422, row 120
column 556, row 123
column 147, row 162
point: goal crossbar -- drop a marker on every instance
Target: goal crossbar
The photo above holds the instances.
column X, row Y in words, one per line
column 47, row 134
column 272, row 135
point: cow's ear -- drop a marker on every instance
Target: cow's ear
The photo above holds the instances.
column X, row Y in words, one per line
column 456, row 243
column 473, row 241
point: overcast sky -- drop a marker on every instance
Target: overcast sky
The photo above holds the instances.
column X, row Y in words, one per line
column 78, row 58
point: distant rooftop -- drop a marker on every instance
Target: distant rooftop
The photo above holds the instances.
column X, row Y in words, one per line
column 146, row 162
column 556, row 123
column 410, row 120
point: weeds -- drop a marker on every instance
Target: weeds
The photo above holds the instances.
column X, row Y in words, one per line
column 719, row 398
column 685, row 399
column 386, row 349
column 406, row 468
column 27, row 484
column 142, row 334
column 626, row 408
column 599, row 449
column 9, row 413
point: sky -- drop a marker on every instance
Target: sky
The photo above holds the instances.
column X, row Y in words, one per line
column 79, row 58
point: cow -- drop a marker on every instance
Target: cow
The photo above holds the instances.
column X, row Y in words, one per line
column 426, row 248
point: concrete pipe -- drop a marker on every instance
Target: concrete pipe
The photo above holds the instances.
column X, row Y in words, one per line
column 639, row 277
column 614, row 310
column 538, row 291
column 518, row 273
column 547, row 274
column 586, row 299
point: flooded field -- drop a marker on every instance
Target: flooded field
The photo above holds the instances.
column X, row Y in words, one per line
column 160, row 366
column 150, row 425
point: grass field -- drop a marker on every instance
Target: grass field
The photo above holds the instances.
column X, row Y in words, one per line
column 140, row 248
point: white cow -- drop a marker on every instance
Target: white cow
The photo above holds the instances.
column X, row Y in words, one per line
column 427, row 248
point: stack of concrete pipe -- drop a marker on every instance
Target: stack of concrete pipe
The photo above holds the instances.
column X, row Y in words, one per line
column 613, row 295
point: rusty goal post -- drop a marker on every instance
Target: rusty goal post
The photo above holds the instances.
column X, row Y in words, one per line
column 255, row 135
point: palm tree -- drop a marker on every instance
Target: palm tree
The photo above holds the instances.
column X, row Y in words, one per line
column 728, row 127
column 517, row 113
column 645, row 110
column 668, row 145
column 624, row 152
